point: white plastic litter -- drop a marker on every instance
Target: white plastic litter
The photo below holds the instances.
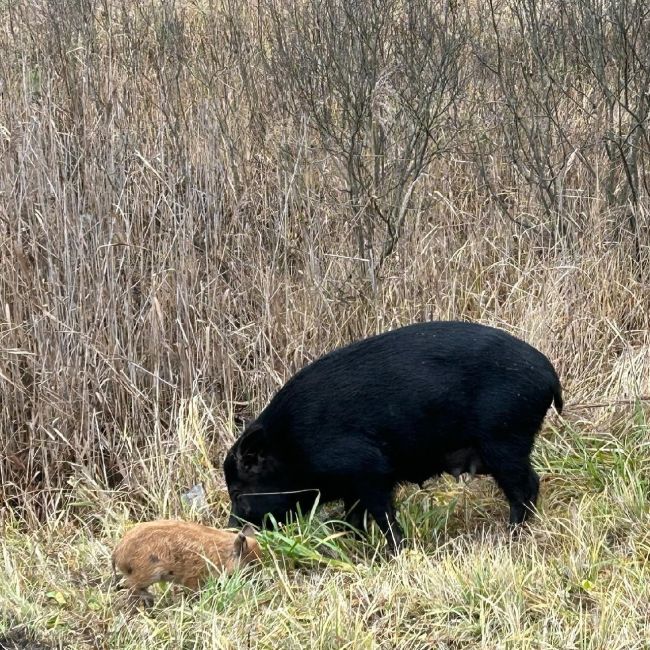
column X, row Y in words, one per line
column 195, row 498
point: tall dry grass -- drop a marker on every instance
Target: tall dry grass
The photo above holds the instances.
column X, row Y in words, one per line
column 175, row 235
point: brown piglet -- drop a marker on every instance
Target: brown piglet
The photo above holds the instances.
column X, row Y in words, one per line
column 182, row 552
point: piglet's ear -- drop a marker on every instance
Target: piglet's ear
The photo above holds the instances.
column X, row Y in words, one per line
column 252, row 445
column 248, row 531
column 240, row 545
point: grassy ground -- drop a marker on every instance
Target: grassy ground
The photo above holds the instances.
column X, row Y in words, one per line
column 578, row 578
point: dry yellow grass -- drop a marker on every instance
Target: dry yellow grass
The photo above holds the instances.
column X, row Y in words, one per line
column 174, row 244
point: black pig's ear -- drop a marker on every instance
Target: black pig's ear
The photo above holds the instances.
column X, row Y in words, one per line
column 252, row 445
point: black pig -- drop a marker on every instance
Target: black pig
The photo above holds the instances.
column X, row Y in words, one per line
column 402, row 406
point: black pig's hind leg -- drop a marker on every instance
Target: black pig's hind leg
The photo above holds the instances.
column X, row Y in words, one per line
column 517, row 479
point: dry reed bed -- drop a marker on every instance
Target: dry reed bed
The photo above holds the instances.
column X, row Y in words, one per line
column 157, row 246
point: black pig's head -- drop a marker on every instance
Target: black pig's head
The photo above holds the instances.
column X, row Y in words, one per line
column 261, row 481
